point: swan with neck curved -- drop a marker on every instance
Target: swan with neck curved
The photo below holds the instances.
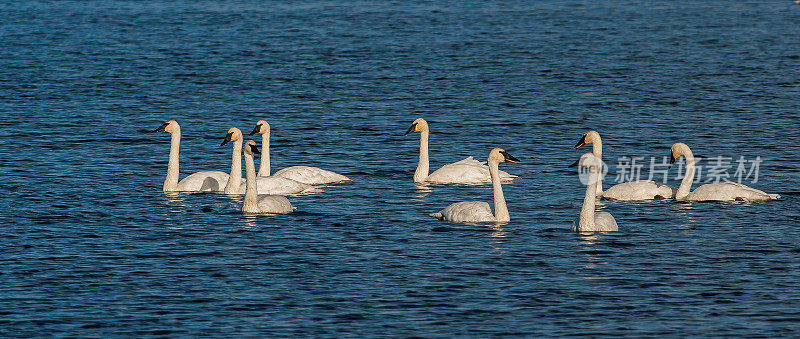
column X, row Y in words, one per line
column 590, row 220
column 634, row 190
column 479, row 211
column 203, row 181
column 266, row 185
column 253, row 203
column 723, row 191
column 305, row 174
column 467, row 171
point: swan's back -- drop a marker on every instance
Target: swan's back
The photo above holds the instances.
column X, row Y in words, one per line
column 603, row 222
column 729, row 191
column 281, row 186
column 467, row 211
column 311, row 175
column 204, row 181
column 639, row 190
column 270, row 204
column 467, row 171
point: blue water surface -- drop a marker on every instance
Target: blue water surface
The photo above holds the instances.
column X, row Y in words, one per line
column 91, row 247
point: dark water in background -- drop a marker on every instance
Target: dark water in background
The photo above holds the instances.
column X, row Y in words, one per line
column 91, row 246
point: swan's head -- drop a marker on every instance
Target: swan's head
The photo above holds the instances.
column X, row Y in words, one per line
column 234, row 134
column 678, row 150
column 261, row 127
column 251, row 149
column 590, row 161
column 418, row 125
column 169, row 127
column 588, row 138
column 500, row 155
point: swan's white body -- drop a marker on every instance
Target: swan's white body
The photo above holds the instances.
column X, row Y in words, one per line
column 203, row 181
column 467, row 171
column 635, row 190
column 304, row 174
column 589, row 220
column 639, row 190
column 266, row 185
column 724, row 191
column 265, row 204
column 479, row 211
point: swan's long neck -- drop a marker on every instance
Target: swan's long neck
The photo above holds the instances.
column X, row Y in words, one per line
column 597, row 150
column 171, row 182
column 235, row 178
column 688, row 178
column 586, row 220
column 424, row 163
column 251, row 187
column 263, row 168
column 500, row 209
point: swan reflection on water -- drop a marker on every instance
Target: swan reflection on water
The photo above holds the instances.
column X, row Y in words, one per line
column 250, row 221
column 497, row 230
column 175, row 201
column 421, row 191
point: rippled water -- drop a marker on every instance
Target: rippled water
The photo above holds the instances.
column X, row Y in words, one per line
column 91, row 246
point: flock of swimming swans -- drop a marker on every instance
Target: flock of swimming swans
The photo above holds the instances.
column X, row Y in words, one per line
column 264, row 193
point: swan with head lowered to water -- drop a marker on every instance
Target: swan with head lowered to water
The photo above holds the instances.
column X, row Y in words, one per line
column 467, row 171
column 266, row 185
column 723, row 191
column 479, row 211
column 305, row 174
column 634, row 190
column 253, row 203
column 590, row 220
column 203, row 181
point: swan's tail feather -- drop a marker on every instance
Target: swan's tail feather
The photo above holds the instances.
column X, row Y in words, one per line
column 437, row 215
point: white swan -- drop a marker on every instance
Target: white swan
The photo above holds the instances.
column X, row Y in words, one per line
column 723, row 191
column 635, row 190
column 467, row 171
column 305, row 174
column 591, row 221
column 266, row 185
column 479, row 211
column 254, row 204
column 203, row 181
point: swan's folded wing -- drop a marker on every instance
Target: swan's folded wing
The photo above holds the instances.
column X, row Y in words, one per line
column 467, row 211
column 311, row 175
column 470, row 161
column 638, row 190
column 284, row 186
column 467, row 171
column 274, row 204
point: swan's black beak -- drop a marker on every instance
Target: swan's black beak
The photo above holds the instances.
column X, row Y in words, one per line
column 509, row 157
column 581, row 143
column 254, row 149
column 671, row 159
column 411, row 129
column 256, row 130
column 162, row 128
column 228, row 138
column 575, row 164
